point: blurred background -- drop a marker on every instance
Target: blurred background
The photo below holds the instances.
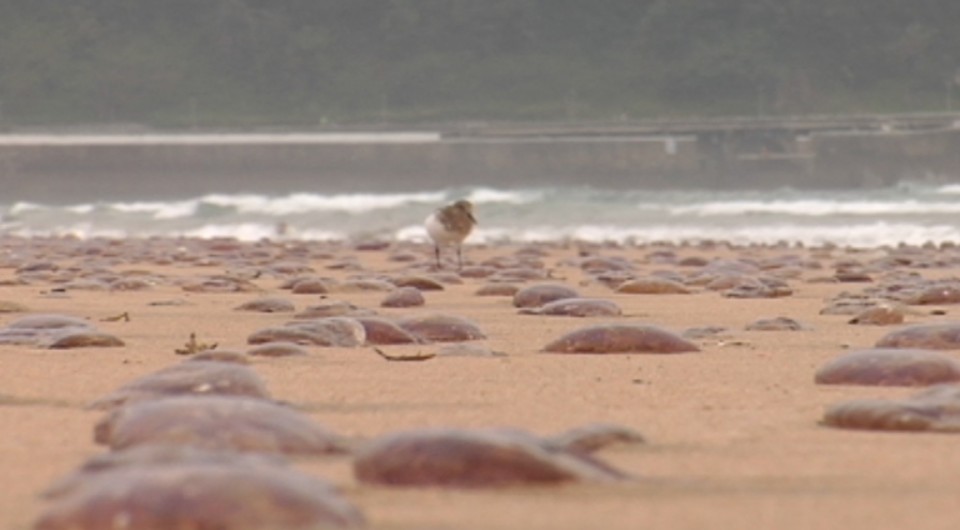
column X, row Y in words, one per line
column 304, row 63
column 802, row 121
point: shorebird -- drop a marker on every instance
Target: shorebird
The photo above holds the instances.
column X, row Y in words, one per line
column 450, row 225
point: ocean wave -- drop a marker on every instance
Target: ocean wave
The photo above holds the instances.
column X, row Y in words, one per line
column 490, row 195
column 24, row 207
column 864, row 235
column 300, row 203
column 241, row 231
column 815, row 208
column 858, row 219
column 77, row 230
column 81, row 209
column 157, row 209
column 949, row 189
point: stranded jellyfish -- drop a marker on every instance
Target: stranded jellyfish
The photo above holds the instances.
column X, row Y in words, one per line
column 936, row 295
column 775, row 324
column 189, row 378
column 331, row 331
column 890, row 367
column 943, row 336
column 576, row 307
column 620, row 338
column 421, row 283
column 878, row 316
column 49, row 321
column 537, row 295
column 277, row 349
column 403, row 297
column 86, row 338
column 267, row 304
column 442, row 328
column 652, row 285
column 934, row 409
column 462, row 458
column 497, row 289
column 216, row 492
column 56, row 332
column 381, row 331
column 216, row 422
column 594, row 436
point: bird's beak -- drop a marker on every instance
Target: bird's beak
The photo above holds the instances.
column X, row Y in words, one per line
column 470, row 215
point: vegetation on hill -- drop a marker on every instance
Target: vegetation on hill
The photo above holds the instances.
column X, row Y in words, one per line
column 237, row 63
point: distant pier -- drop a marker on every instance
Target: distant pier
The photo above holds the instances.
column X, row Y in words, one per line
column 724, row 153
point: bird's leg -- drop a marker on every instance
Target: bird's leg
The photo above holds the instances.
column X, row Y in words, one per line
column 459, row 259
column 436, row 253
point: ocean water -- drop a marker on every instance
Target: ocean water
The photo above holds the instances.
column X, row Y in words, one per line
column 910, row 214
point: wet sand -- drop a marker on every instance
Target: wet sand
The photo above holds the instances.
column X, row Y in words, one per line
column 733, row 439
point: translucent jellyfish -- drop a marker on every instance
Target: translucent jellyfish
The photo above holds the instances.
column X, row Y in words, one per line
column 941, row 336
column 890, row 367
column 462, row 458
column 652, row 286
column 216, row 493
column 620, row 338
column 576, row 307
column 217, row 422
column 442, row 328
column 934, row 409
column 537, row 295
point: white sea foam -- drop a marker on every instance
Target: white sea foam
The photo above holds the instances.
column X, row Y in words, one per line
column 313, row 234
column 299, row 203
column 857, row 236
column 489, row 195
column 414, row 233
column 22, row 207
column 81, row 209
column 157, row 209
column 81, row 230
column 949, row 189
column 241, row 231
column 816, row 208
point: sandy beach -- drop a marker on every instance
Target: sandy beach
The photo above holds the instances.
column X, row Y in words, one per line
column 733, row 433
